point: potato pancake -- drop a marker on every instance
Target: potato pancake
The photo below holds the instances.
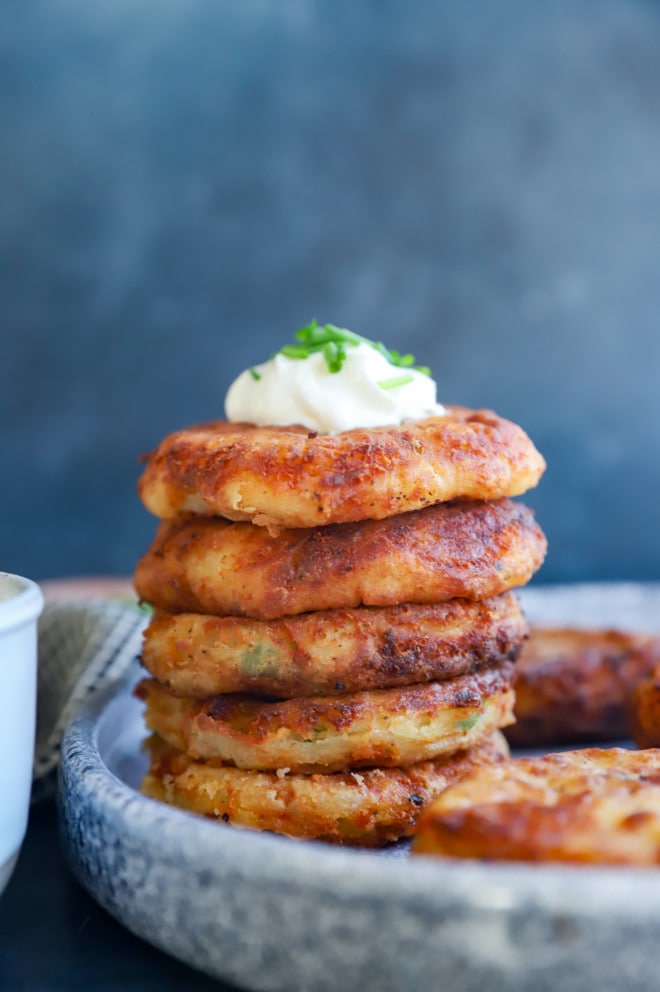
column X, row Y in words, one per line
column 294, row 477
column 572, row 685
column 378, row 727
column 370, row 808
column 331, row 651
column 643, row 711
column 593, row 806
column 468, row 549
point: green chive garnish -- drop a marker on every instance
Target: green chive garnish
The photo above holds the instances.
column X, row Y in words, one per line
column 332, row 342
column 297, row 351
column 397, row 380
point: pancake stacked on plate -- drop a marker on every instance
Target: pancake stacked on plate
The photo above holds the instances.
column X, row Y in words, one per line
column 335, row 628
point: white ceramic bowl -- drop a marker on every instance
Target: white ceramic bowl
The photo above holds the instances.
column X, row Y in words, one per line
column 21, row 603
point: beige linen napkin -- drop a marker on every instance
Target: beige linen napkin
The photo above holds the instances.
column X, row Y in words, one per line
column 84, row 645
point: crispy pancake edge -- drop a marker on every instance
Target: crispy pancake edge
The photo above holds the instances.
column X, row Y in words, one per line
column 332, row 651
column 467, row 549
column 368, row 809
column 594, row 806
column 643, row 711
column 293, row 477
column 573, row 685
column 379, row 727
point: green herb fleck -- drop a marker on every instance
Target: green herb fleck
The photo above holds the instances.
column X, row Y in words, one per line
column 296, row 351
column 468, row 723
column 255, row 375
column 332, row 341
column 397, row 380
column 258, row 661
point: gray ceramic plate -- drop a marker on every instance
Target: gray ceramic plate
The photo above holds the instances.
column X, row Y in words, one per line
column 268, row 913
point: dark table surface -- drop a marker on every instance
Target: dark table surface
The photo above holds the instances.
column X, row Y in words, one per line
column 55, row 938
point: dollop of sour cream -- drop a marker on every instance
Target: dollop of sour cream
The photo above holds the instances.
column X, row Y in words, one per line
column 363, row 393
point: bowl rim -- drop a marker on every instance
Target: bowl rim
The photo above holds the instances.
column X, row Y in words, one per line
column 23, row 604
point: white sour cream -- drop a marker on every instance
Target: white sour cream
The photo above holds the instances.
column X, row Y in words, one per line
column 304, row 391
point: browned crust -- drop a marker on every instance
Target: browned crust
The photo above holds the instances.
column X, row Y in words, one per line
column 293, row 477
column 469, row 550
column 573, row 685
column 591, row 806
column 370, row 809
column 332, row 651
column 378, row 727
column 643, row 711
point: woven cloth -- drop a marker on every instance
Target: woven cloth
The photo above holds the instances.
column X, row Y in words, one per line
column 83, row 646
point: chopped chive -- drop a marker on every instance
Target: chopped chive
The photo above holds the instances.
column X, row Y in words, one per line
column 255, row 375
column 397, row 380
column 294, row 351
column 332, row 340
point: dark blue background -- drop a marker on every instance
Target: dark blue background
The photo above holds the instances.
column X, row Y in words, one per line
column 185, row 182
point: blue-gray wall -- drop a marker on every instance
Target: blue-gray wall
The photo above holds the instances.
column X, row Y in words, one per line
column 185, row 182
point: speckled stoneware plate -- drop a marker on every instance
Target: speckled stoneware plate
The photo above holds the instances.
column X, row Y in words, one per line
column 268, row 913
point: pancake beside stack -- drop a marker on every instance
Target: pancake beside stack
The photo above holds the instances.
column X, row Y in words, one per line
column 594, row 806
column 334, row 629
column 575, row 686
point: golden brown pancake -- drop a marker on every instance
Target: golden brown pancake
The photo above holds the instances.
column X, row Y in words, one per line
column 379, row 727
column 467, row 549
column 332, row 651
column 596, row 806
column 643, row 711
column 573, row 685
column 294, row 477
column 369, row 808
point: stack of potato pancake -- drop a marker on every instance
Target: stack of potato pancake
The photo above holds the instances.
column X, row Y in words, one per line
column 334, row 628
